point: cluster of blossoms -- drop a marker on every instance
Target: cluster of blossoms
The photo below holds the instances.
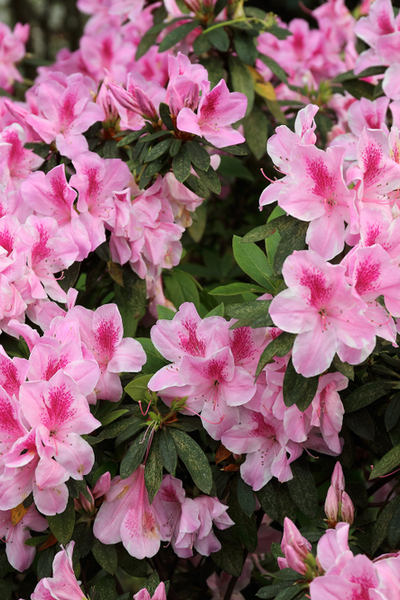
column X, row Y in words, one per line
column 213, row 369
column 335, row 571
column 349, row 195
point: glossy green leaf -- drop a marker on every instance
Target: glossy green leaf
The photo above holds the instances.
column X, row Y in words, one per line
column 280, row 346
column 242, row 81
column 154, row 469
column 252, row 260
column 297, row 389
column 275, row 68
column 133, row 457
column 303, row 490
column 235, row 289
column 181, row 287
column 198, row 155
column 256, row 132
column 105, row 555
column 363, row 396
column 62, row 525
column 168, row 451
column 181, row 164
column 137, row 388
column 194, row 459
column 177, row 34
column 388, row 463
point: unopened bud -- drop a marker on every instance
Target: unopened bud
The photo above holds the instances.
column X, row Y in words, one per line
column 332, row 506
column 295, row 547
column 337, row 480
column 347, row 509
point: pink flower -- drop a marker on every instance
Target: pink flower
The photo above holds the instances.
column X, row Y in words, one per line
column 319, row 306
column 20, row 556
column 159, row 594
column 217, row 111
column 295, row 548
column 63, row 585
column 12, row 50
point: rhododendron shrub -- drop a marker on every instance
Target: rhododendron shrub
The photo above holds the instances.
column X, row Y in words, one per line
column 199, row 306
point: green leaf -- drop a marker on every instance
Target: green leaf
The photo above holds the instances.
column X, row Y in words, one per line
column 242, row 81
column 236, row 150
column 177, row 34
column 293, row 238
column 131, row 300
column 343, row 367
column 155, row 361
column 194, row 459
column 137, row 388
column 233, row 168
column 388, row 463
column 181, row 164
column 175, row 147
column 147, row 41
column 264, row 231
column 256, row 132
column 215, row 69
column 363, row 396
column 252, row 260
column 366, row 73
column 246, row 497
column 201, row 44
column 250, row 313
column 153, row 469
column 245, row 46
column 218, row 311
column 219, row 6
column 105, row 589
column 131, row 565
column 105, row 555
column 361, row 423
column 245, row 528
column 133, row 457
column 280, row 346
column 276, row 501
column 209, row 179
column 303, row 490
column 198, row 155
column 270, row 591
column 45, row 563
column 37, row 540
column 230, row 559
column 297, row 389
column 218, row 38
column 359, row 89
column 168, row 451
column 275, row 68
column 83, row 536
column 166, row 116
column 152, row 583
column 392, row 413
column 163, row 312
column 234, row 289
column 110, row 149
column 181, row 287
column 381, row 526
column 78, row 487
column 158, row 150
column 113, row 416
column 198, row 226
column 393, row 535
column 62, row 525
column 289, row 592
column 195, row 185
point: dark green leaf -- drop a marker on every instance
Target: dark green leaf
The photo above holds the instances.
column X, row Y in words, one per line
column 249, row 313
column 279, row 32
column 218, row 38
column 131, row 300
column 152, row 136
column 105, row 555
column 83, row 536
column 147, row 41
column 366, row 73
column 245, row 528
column 209, row 179
column 256, row 132
column 166, row 116
column 131, row 565
column 198, row 226
column 233, row 168
column 245, row 46
column 343, row 367
column 105, row 589
column 39, row 148
column 236, row 150
column 363, row 396
column 168, row 451
column 392, row 413
column 181, row 164
column 388, row 463
column 297, row 389
column 177, row 34
column 361, row 423
column 218, row 311
column 158, row 150
column 195, row 185
column 242, row 81
column 194, row 459
column 234, row 289
column 152, row 583
column 293, row 238
column 219, row 6
column 70, row 277
column 198, row 155
column 230, row 559
column 45, row 562
column 275, row 68
column 62, row 525
column 175, row 147
column 270, row 591
column 252, row 260
column 280, row 346
column 201, row 44
column 276, row 501
column 289, row 592
column 303, row 490
column 110, row 149
column 381, row 526
column 78, row 487
column 163, row 312
column 246, row 497
column 181, row 287
column 137, row 388
column 215, row 69
column 153, row 469
column 394, row 529
column 37, row 540
column 264, row 231
column 133, row 457
column 359, row 89
column 154, row 359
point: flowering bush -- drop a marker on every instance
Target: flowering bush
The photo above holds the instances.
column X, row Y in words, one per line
column 170, row 406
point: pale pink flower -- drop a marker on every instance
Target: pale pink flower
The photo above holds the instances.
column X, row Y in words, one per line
column 159, row 593
column 295, row 548
column 20, row 556
column 12, row 50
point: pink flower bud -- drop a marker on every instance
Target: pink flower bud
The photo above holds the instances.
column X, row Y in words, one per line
column 337, row 480
column 332, row 505
column 295, row 547
column 347, row 512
